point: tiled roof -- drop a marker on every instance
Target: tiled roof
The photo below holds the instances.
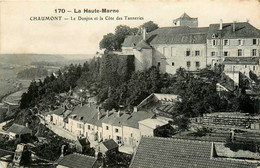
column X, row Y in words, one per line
column 19, row 129
column 154, row 152
column 120, row 120
column 110, row 144
column 171, row 35
column 242, row 60
column 132, row 121
column 131, row 41
column 84, row 113
column 58, row 111
column 142, row 45
column 242, row 30
column 111, row 117
column 77, row 161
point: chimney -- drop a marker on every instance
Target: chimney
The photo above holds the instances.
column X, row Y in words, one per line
column 220, row 25
column 98, row 115
column 135, row 109
column 144, row 33
column 26, row 125
column 107, row 113
column 234, row 26
column 118, row 113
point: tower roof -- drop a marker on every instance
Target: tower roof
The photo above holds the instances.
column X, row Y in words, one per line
column 184, row 15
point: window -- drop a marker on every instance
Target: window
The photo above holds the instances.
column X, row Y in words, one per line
column 253, row 68
column 197, row 64
column 253, row 52
column 172, row 63
column 188, row 64
column 188, row 52
column 197, row 53
column 240, row 42
column 116, row 130
column 88, row 127
column 107, row 127
column 239, row 52
column 213, row 53
column 254, row 41
column 158, row 64
column 225, row 53
column 131, row 135
column 225, row 42
column 118, row 138
column 79, row 125
column 214, row 42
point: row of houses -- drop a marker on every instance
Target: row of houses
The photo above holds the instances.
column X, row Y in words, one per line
column 236, row 45
column 97, row 125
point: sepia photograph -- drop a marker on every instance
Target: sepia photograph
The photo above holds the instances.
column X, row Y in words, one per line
column 130, row 84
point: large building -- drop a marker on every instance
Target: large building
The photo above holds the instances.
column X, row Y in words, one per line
column 191, row 47
column 180, row 153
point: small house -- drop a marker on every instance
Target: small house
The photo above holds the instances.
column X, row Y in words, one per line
column 108, row 146
column 82, row 145
column 16, row 131
column 76, row 160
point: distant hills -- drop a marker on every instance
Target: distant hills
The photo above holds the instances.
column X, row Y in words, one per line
column 27, row 59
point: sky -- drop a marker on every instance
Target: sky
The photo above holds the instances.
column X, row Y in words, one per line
column 18, row 34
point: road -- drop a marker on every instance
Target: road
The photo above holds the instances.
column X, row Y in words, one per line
column 58, row 130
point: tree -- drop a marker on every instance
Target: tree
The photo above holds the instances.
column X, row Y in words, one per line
column 107, row 42
column 150, row 26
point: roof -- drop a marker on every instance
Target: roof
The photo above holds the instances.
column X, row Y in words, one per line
column 84, row 113
column 83, row 141
column 58, row 111
column 153, row 122
column 19, row 129
column 132, row 121
column 171, row 35
column 131, row 41
column 242, row 30
column 184, row 16
column 110, row 118
column 120, row 120
column 242, row 60
column 142, row 45
column 110, row 144
column 179, row 153
column 77, row 161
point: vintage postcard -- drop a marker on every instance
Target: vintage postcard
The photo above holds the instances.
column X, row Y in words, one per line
column 139, row 84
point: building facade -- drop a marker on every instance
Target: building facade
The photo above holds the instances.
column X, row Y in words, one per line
column 185, row 45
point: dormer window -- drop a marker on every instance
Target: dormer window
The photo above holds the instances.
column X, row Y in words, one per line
column 213, row 35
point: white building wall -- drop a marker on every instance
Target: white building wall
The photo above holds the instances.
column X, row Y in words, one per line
column 131, row 136
column 107, row 133
column 77, row 127
column 119, row 134
column 143, row 59
column 145, row 130
column 172, row 57
column 231, row 48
